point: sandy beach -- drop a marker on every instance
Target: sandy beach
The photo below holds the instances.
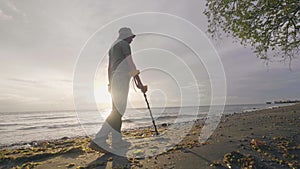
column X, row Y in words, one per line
column 260, row 139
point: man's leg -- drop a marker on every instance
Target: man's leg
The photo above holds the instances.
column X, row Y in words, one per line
column 102, row 134
column 115, row 122
column 114, row 119
column 112, row 125
column 120, row 88
column 99, row 142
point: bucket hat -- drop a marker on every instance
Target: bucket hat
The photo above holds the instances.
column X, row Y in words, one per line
column 125, row 33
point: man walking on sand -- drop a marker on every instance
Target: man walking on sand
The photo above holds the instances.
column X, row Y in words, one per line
column 120, row 70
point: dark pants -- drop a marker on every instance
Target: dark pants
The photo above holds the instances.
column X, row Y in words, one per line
column 113, row 123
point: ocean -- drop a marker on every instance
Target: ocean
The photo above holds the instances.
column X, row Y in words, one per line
column 23, row 127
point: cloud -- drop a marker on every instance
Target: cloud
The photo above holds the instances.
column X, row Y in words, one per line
column 33, row 94
column 38, row 81
column 11, row 12
column 5, row 17
column 23, row 80
column 59, row 84
column 12, row 7
column 17, row 98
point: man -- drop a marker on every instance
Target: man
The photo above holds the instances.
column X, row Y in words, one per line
column 120, row 70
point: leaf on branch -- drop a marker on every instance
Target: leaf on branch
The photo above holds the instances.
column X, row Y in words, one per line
column 271, row 28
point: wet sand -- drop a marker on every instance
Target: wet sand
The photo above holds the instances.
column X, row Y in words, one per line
column 261, row 139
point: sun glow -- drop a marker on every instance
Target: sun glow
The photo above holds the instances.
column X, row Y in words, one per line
column 102, row 96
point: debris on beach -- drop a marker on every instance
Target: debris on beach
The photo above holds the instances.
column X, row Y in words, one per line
column 26, row 157
column 257, row 142
column 238, row 160
column 278, row 152
column 70, row 165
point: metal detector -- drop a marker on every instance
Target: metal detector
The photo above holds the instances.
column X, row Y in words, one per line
column 145, row 96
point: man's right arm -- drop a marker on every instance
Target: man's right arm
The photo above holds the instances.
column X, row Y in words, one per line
column 130, row 63
column 140, row 84
column 132, row 68
column 135, row 73
column 109, row 75
column 109, row 72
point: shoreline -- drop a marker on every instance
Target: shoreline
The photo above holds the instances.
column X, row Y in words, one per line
column 268, row 138
column 33, row 143
column 202, row 119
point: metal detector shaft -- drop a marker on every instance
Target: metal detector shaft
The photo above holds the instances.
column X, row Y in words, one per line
column 151, row 114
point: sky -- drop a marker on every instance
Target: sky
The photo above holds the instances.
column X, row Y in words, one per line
column 50, row 51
